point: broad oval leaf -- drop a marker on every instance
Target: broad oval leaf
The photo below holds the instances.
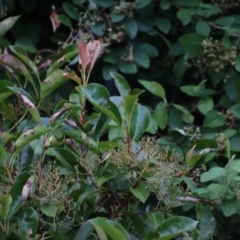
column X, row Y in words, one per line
column 155, row 88
column 121, row 84
column 113, row 229
column 139, row 121
column 141, row 192
column 28, row 223
column 175, row 226
column 99, row 97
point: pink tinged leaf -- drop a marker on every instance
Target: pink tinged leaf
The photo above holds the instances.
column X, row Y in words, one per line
column 26, row 101
column 27, row 187
column 84, row 55
column 94, row 49
column 55, row 22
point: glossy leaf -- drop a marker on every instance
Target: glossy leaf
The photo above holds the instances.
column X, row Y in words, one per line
column 65, row 156
column 121, row 84
column 155, row 88
column 81, row 137
column 213, row 173
column 16, row 194
column 84, row 231
column 111, row 228
column 6, row 201
column 49, row 209
column 71, row 10
column 130, row 27
column 192, row 43
column 141, row 192
column 52, row 82
column 28, row 223
column 207, row 222
column 139, row 121
column 175, row 226
column 7, row 24
column 26, row 44
column 99, row 97
column 160, row 115
column 29, row 136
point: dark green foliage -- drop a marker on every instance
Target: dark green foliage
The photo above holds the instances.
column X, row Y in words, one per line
column 143, row 143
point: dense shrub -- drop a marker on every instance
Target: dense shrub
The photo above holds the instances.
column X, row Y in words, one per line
column 119, row 119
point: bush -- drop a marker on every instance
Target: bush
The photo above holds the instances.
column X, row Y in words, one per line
column 86, row 154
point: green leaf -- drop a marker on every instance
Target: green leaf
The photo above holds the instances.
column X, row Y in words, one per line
column 156, row 217
column 64, row 20
column 207, row 222
column 116, row 17
column 81, row 137
column 29, row 136
column 131, row 27
column 192, row 43
column 121, row 84
column 213, row 119
column 7, row 24
column 26, row 44
column 113, row 229
column 104, row 3
column 232, row 87
column 5, row 201
column 99, row 97
column 213, row 173
column 141, row 192
column 99, row 28
column 139, row 121
column 142, row 3
column 88, row 193
column 21, row 54
column 49, row 209
column 180, row 66
column 160, row 115
column 107, row 69
column 185, row 16
column 105, row 178
column 235, row 165
column 148, row 49
column 192, row 158
column 84, row 231
column 235, row 110
column 154, row 87
column 129, row 103
column 28, row 223
column 187, row 116
column 65, row 156
column 141, row 58
column 16, row 65
column 230, row 208
column 16, row 194
column 189, row 4
column 205, row 105
column 163, row 24
column 71, row 10
column 175, row 226
column 52, row 82
column 203, row 28
column 127, row 67
column 165, row 4
column 216, row 191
